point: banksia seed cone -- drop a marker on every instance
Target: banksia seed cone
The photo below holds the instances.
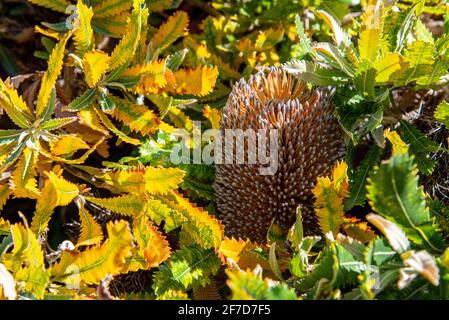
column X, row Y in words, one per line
column 310, row 141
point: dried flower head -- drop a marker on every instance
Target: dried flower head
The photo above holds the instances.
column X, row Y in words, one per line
column 310, row 141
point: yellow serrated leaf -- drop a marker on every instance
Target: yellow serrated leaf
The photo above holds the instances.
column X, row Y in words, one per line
column 83, row 34
column 213, row 115
column 65, row 191
column 137, row 117
column 153, row 248
column 67, row 145
column 162, row 180
column 92, row 265
column 47, row 32
column 26, row 249
column 110, row 8
column 49, row 79
column 90, row 230
column 127, row 205
column 329, row 195
column 23, row 181
column 200, row 227
column 388, row 65
column 369, row 43
column 45, row 206
column 95, row 65
column 171, row 30
column 199, row 81
column 57, row 5
column 5, row 192
column 242, row 253
column 129, row 181
column 152, row 76
column 89, row 118
column 125, row 49
column 180, row 119
column 399, row 146
column 14, row 105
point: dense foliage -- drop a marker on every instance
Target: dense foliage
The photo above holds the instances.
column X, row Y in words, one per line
column 91, row 204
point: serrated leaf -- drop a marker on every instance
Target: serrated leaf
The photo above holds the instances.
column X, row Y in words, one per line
column 50, row 76
column 388, row 66
column 95, row 64
column 65, row 191
column 15, row 107
column 442, row 113
column 152, row 76
column 188, row 267
column 420, row 146
column 57, row 5
column 45, row 206
column 153, row 248
column 110, row 8
column 23, row 181
column 127, row 205
column 171, row 30
column 92, row 265
column 328, row 199
column 213, row 115
column 5, row 193
column 108, row 124
column 124, row 51
column 67, row 145
column 90, row 229
column 250, row 285
column 83, row 101
column 137, row 117
column 398, row 145
column 200, row 227
column 393, row 192
column 26, row 249
column 83, row 34
column 198, row 82
column 57, row 123
column 158, row 212
column 162, row 180
column 242, row 253
column 358, row 177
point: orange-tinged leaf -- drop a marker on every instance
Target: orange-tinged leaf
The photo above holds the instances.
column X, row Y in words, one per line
column 67, row 145
column 90, row 229
column 50, row 76
column 152, row 76
column 213, row 115
column 329, row 195
column 199, row 81
column 171, row 30
column 359, row 230
column 241, row 252
column 95, row 64
column 153, row 248
column 92, row 265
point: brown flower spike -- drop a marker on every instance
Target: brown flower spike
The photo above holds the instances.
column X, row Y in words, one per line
column 310, row 142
